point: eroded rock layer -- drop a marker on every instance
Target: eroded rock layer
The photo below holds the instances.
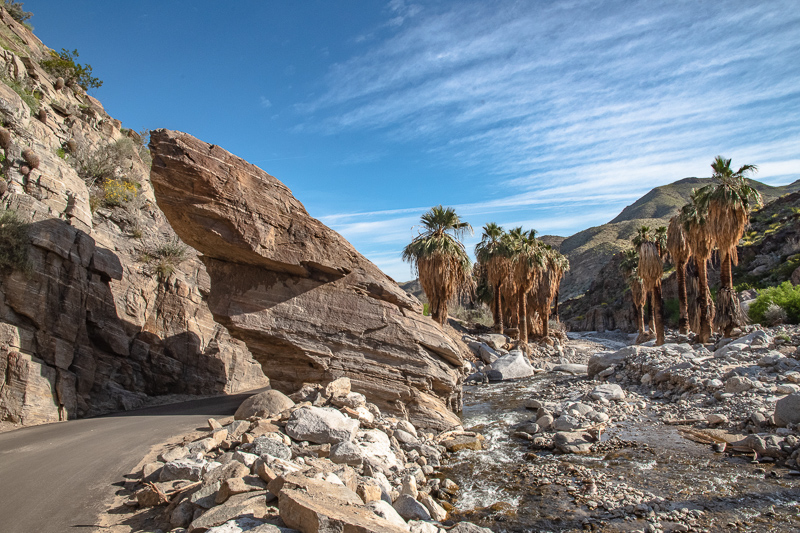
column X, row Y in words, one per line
column 309, row 307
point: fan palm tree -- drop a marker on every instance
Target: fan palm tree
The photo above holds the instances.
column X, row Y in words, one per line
column 650, row 269
column 660, row 239
column 630, row 269
column 645, row 234
column 528, row 264
column 729, row 202
column 556, row 265
column 439, row 258
column 510, row 288
column 493, row 252
column 679, row 250
column 701, row 242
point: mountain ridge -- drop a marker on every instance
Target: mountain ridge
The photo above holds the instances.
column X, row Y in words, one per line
column 590, row 249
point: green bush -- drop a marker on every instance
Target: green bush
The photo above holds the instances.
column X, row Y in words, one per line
column 785, row 295
column 31, row 99
column 13, row 242
column 63, row 65
column 15, row 10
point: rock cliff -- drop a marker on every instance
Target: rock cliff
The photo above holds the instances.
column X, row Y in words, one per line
column 97, row 319
column 309, row 307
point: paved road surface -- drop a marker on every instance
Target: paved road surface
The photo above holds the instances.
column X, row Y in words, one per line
column 58, row 478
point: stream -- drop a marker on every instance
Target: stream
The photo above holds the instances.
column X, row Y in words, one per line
column 642, row 476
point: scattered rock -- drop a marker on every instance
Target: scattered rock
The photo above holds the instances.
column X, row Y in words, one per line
column 321, row 425
column 263, row 405
column 515, row 365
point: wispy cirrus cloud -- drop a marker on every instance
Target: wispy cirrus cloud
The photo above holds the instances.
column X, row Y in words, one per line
column 571, row 101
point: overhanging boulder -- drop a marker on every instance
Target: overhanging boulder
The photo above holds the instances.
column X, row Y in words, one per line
column 309, row 307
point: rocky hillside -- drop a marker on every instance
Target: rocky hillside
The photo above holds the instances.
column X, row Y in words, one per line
column 104, row 307
column 589, row 250
column 769, row 254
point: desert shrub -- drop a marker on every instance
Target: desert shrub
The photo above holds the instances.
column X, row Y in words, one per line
column 28, row 96
column 163, row 258
column 786, row 296
column 556, row 326
column 479, row 315
column 15, row 10
column 119, row 192
column 426, row 309
column 63, row 65
column 13, row 242
column 95, row 200
column 774, row 315
column 143, row 148
column 786, row 267
column 103, row 164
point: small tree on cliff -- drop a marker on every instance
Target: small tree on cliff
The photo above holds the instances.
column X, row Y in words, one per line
column 439, row 258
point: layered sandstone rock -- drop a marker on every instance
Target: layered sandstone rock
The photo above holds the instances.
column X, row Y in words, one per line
column 309, row 307
column 88, row 327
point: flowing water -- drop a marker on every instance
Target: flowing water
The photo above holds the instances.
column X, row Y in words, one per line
column 511, row 487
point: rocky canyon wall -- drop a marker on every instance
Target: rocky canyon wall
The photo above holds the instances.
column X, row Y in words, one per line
column 96, row 320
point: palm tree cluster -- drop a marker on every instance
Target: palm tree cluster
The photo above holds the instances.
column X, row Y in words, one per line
column 518, row 275
column 716, row 216
column 523, row 277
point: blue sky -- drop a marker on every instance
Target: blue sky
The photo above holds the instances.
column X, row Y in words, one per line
column 549, row 115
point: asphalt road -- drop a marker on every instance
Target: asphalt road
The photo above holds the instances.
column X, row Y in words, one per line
column 60, row 477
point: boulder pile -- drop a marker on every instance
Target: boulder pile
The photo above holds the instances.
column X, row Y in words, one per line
column 320, row 460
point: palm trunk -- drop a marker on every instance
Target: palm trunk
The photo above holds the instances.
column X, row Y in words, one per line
column 639, row 319
column 658, row 313
column 439, row 313
column 726, row 281
column 498, row 310
column 523, row 316
column 704, row 334
column 651, row 324
column 683, row 322
column 555, row 308
column 545, row 326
